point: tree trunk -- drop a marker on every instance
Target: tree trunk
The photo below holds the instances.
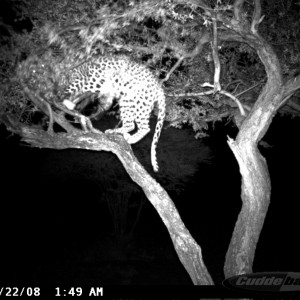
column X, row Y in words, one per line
column 256, row 185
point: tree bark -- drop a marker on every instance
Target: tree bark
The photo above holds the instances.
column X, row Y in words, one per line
column 256, row 185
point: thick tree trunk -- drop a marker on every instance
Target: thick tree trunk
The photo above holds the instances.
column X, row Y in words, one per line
column 256, row 186
column 256, row 191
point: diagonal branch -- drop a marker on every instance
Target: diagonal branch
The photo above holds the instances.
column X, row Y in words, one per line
column 179, row 61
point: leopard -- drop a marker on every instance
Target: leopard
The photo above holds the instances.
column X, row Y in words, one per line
column 136, row 89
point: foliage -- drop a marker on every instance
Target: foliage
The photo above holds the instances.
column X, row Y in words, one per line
column 158, row 33
column 286, row 41
column 155, row 32
column 138, row 29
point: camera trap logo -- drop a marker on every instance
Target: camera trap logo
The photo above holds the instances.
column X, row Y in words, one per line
column 265, row 282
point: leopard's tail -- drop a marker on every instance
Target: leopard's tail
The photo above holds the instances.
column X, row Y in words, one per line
column 161, row 104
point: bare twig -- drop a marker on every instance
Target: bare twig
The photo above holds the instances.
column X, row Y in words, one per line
column 247, row 90
column 239, row 81
column 217, row 85
column 256, row 18
column 236, row 100
column 173, row 69
column 294, row 106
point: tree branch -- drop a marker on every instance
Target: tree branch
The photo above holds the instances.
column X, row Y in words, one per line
column 179, row 61
column 238, row 9
column 205, row 38
column 217, row 85
column 291, row 86
column 256, row 19
column 240, row 106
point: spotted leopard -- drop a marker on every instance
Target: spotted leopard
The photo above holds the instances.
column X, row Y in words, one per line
column 135, row 87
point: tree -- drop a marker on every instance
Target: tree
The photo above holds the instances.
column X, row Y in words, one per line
column 173, row 38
